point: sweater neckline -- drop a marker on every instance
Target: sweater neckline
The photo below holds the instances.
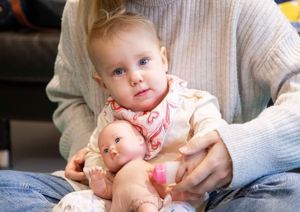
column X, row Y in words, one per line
column 153, row 3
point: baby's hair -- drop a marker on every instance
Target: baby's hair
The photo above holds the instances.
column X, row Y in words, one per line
column 88, row 11
column 109, row 24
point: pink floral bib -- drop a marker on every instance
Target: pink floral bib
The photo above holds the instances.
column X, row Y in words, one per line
column 153, row 125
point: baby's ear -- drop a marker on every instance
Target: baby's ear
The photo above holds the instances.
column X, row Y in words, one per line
column 164, row 57
column 99, row 80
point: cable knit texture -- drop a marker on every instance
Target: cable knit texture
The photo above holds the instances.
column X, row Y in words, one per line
column 241, row 51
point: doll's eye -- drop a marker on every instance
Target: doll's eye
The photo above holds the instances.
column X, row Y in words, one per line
column 117, row 140
column 105, row 150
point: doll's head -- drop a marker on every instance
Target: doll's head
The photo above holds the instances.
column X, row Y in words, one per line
column 130, row 63
column 120, row 142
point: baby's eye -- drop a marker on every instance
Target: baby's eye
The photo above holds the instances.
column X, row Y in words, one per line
column 143, row 61
column 118, row 71
column 105, row 150
column 117, row 140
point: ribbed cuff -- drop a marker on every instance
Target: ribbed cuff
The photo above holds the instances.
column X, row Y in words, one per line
column 265, row 145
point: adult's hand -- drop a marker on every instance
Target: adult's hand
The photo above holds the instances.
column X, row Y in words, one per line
column 74, row 167
column 206, row 166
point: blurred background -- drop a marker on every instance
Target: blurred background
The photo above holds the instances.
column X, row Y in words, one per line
column 29, row 35
column 35, row 146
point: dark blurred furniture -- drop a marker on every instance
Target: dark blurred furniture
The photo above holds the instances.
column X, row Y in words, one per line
column 29, row 35
column 26, row 66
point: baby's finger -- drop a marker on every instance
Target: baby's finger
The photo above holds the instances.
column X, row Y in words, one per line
column 74, row 175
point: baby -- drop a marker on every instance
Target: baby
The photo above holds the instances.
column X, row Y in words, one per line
column 131, row 66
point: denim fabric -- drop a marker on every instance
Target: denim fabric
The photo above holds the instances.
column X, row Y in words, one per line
column 23, row 191
column 276, row 193
column 32, row 192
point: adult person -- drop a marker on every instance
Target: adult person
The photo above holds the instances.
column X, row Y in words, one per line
column 243, row 52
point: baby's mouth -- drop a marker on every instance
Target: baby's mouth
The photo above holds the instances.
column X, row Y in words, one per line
column 142, row 92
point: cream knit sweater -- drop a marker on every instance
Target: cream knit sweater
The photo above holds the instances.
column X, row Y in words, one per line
column 241, row 51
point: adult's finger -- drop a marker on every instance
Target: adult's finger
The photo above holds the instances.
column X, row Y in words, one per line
column 199, row 143
column 188, row 163
column 182, row 168
column 213, row 172
column 196, row 176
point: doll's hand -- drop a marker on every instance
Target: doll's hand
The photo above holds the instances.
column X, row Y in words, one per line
column 96, row 176
column 212, row 171
column 99, row 182
column 74, row 167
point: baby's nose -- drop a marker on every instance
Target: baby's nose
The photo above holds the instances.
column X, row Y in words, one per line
column 136, row 78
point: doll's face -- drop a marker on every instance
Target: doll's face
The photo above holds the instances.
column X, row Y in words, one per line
column 119, row 143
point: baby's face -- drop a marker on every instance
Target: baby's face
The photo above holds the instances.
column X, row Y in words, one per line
column 120, row 143
column 133, row 68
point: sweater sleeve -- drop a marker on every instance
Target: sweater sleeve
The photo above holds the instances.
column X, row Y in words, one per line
column 73, row 117
column 269, row 143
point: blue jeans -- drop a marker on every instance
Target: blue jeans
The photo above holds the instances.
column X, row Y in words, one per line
column 32, row 192
column 23, row 191
column 276, row 193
